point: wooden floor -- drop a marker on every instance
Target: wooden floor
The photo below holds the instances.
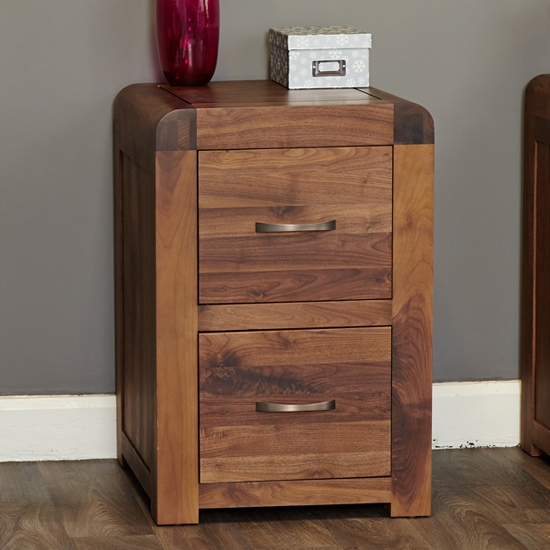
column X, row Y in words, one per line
column 483, row 498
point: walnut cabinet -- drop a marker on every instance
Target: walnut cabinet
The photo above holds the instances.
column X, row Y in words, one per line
column 535, row 357
column 273, row 297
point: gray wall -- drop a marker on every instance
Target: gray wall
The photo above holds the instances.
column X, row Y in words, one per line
column 63, row 61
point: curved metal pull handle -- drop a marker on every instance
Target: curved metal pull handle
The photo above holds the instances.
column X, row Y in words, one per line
column 262, row 406
column 287, row 227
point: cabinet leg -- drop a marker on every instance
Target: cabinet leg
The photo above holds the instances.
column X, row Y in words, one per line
column 531, row 449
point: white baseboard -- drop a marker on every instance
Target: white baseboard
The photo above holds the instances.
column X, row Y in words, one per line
column 476, row 414
column 465, row 414
column 57, row 427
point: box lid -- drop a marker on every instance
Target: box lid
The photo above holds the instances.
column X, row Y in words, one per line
column 318, row 38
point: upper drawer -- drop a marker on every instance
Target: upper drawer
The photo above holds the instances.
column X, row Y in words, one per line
column 349, row 258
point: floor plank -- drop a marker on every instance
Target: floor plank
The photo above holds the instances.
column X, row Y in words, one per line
column 216, row 530
column 286, row 529
column 484, row 499
column 94, row 499
column 22, row 482
column 534, row 536
column 144, row 542
column 30, row 526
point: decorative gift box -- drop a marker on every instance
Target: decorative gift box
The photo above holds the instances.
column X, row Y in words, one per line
column 320, row 57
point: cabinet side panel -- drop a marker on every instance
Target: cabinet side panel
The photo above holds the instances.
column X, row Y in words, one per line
column 177, row 346
column 528, row 282
column 542, row 263
column 535, row 352
column 137, row 339
column 412, row 330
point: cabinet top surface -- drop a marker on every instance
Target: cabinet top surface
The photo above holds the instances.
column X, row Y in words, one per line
column 268, row 93
column 264, row 114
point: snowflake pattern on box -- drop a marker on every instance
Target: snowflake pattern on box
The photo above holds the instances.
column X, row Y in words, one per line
column 296, row 50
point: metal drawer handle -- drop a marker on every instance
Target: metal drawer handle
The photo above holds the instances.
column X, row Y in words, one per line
column 262, row 406
column 287, row 227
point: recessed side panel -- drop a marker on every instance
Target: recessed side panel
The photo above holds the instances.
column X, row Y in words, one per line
column 138, row 313
column 542, row 280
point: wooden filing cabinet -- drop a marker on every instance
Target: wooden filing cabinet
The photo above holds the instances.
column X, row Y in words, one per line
column 535, row 356
column 273, row 297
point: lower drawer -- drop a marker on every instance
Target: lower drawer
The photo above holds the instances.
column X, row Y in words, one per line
column 239, row 370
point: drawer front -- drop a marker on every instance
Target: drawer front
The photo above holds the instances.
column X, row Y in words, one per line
column 238, row 370
column 340, row 199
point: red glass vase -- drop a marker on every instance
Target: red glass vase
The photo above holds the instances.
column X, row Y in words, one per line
column 188, row 35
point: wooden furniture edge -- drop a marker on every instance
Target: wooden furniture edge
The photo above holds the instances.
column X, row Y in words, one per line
column 412, row 330
column 540, row 437
column 528, row 284
column 139, row 132
column 537, row 87
column 413, row 124
column 177, row 463
column 282, row 126
column 223, row 318
column 533, row 437
column 148, row 118
column 119, row 300
column 136, row 464
column 301, row 493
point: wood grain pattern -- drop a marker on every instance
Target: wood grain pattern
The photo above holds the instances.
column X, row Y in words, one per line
column 223, row 318
column 32, row 526
column 534, row 536
column 528, row 297
column 542, row 266
column 280, row 464
column 94, row 501
column 214, row 534
column 239, row 188
column 118, row 543
column 541, row 434
column 137, row 289
column 176, row 299
column 22, row 482
column 238, row 369
column 263, row 286
column 335, row 155
column 225, row 93
column 297, row 126
column 139, row 468
column 283, row 533
column 412, row 330
column 367, row 529
column 483, row 498
column 287, row 177
column 413, row 125
column 535, row 432
column 147, row 118
column 295, row 493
